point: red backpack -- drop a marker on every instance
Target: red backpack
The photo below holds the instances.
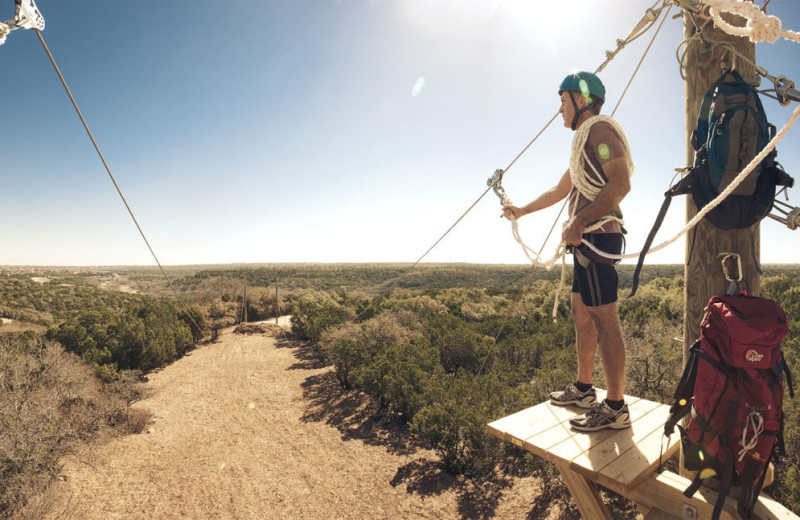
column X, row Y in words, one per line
column 733, row 386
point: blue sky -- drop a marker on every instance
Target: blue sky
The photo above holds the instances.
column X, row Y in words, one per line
column 325, row 130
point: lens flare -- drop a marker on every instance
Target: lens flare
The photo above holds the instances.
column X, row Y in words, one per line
column 707, row 473
column 418, row 86
column 603, row 152
column 584, row 86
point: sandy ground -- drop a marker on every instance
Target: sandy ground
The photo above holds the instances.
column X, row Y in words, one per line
column 253, row 427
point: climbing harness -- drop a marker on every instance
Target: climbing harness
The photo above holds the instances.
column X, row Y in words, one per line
column 26, row 16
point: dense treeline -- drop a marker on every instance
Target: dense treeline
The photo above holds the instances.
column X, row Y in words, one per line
column 47, row 303
column 785, row 289
column 143, row 337
column 375, row 278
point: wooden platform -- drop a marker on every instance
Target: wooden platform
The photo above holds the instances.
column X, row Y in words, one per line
column 622, row 460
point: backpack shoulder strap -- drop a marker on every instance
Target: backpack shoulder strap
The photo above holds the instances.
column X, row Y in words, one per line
column 680, row 188
column 684, row 393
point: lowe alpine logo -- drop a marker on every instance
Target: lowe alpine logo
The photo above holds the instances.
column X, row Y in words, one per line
column 753, row 357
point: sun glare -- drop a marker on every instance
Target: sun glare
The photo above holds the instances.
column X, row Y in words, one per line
column 546, row 18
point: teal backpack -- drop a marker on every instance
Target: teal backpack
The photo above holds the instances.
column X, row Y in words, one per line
column 732, row 129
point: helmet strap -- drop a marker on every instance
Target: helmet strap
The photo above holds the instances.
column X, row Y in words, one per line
column 578, row 111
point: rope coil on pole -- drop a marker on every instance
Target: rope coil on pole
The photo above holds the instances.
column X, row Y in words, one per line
column 760, row 27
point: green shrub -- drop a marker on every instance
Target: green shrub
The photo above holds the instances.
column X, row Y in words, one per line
column 314, row 312
column 454, row 421
column 144, row 337
column 343, row 346
column 398, row 377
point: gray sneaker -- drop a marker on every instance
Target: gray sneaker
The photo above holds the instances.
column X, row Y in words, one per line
column 602, row 416
column 571, row 395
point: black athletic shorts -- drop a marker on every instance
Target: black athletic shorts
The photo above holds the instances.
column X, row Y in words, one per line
column 598, row 282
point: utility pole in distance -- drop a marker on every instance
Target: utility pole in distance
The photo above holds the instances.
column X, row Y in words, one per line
column 703, row 277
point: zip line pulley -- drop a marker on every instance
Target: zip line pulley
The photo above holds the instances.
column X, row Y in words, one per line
column 26, row 16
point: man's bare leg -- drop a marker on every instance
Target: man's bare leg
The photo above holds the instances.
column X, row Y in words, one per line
column 612, row 347
column 585, row 338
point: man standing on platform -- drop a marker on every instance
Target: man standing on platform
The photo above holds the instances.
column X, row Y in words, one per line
column 596, row 182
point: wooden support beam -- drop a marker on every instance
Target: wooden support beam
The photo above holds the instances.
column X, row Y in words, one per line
column 585, row 494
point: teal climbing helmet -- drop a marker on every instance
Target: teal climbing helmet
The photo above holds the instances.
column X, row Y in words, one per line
column 584, row 82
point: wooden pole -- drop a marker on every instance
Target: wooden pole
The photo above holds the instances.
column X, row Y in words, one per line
column 277, row 303
column 244, row 303
column 704, row 277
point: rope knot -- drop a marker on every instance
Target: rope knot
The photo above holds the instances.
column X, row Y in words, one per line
column 765, row 29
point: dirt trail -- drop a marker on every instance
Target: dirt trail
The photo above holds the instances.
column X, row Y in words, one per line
column 251, row 427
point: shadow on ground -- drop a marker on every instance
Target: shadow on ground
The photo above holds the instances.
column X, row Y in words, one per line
column 357, row 418
column 354, row 415
column 477, row 498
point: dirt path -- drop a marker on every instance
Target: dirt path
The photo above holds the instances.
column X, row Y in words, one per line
column 251, row 427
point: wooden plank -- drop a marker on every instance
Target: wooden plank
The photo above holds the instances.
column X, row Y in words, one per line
column 541, row 417
column 580, row 442
column 593, row 461
column 585, row 494
column 541, row 443
column 638, row 463
column 657, row 514
column 768, row 508
column 498, row 427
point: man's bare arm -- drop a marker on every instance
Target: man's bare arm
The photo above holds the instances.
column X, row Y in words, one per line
column 545, row 200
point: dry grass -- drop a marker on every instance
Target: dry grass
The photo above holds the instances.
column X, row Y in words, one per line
column 51, row 403
column 137, row 420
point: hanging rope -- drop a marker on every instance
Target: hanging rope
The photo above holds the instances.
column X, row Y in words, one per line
column 111, row 176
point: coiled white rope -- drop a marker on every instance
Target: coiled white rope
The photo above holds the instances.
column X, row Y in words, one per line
column 586, row 186
column 755, row 422
column 759, row 28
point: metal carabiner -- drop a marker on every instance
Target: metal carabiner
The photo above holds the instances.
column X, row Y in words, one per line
column 734, row 286
column 495, row 182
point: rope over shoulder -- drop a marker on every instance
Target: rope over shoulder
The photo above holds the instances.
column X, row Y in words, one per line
column 588, row 181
